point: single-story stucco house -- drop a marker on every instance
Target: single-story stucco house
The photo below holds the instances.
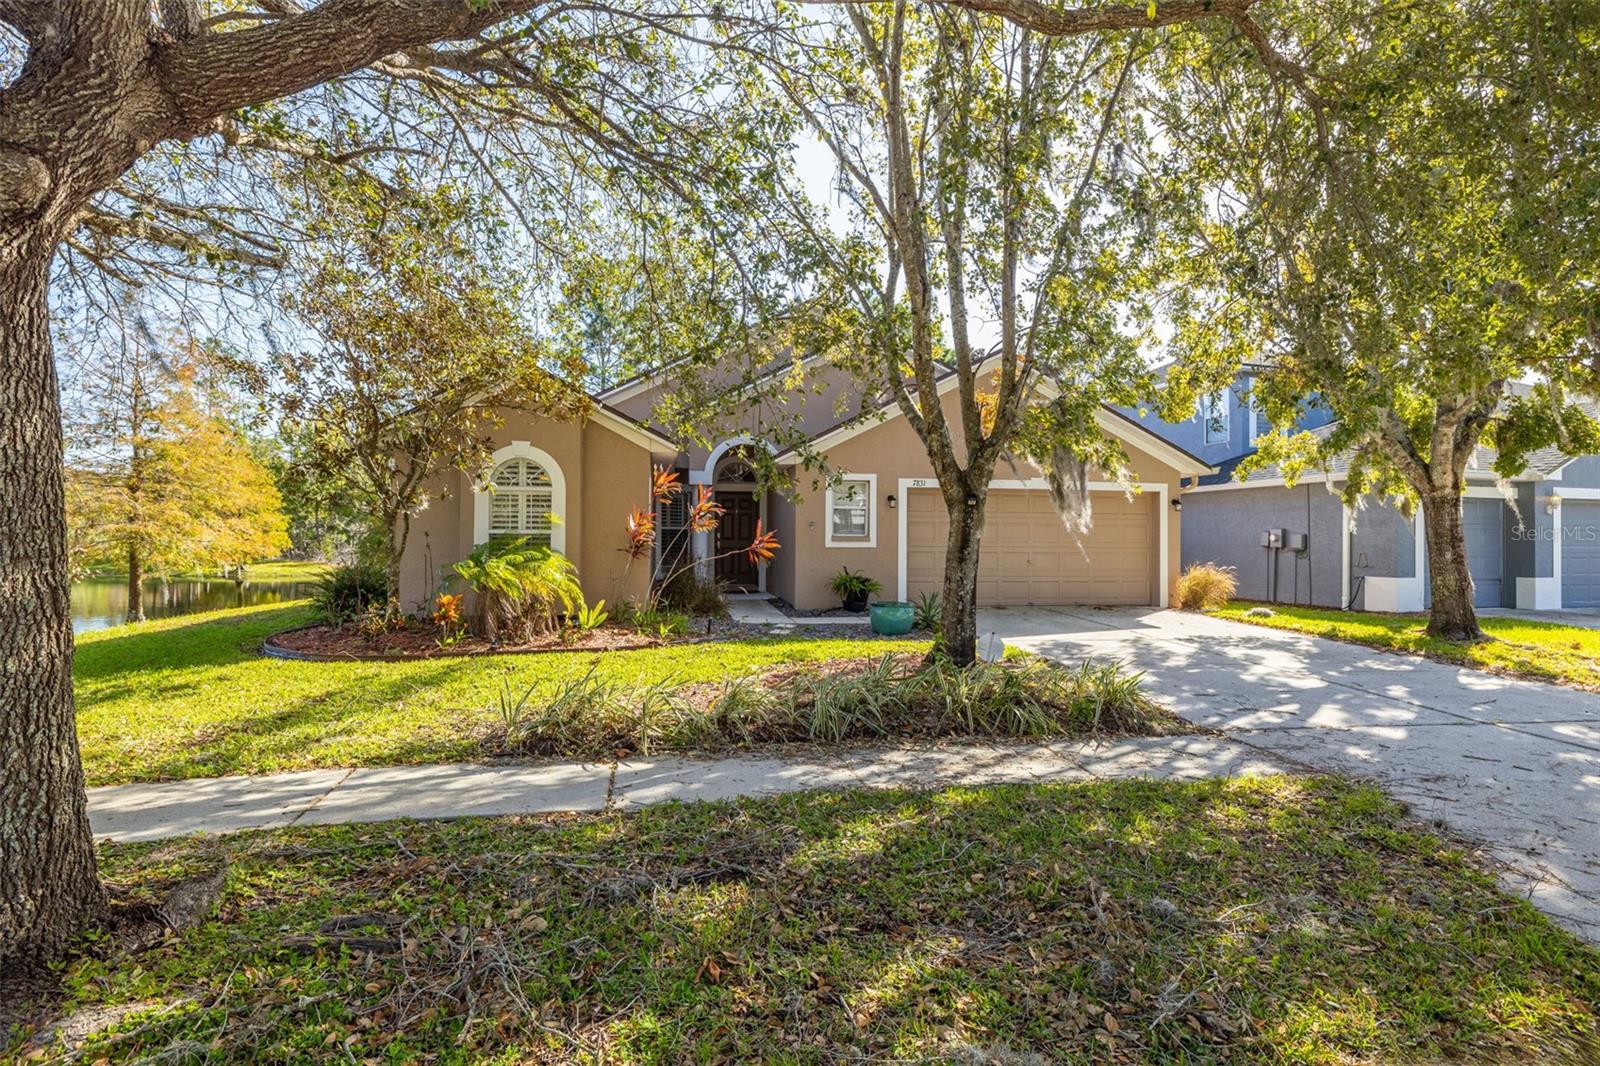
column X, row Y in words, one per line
column 1533, row 542
column 576, row 484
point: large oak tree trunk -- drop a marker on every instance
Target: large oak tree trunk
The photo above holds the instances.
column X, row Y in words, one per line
column 958, row 623
column 49, row 887
column 1452, row 616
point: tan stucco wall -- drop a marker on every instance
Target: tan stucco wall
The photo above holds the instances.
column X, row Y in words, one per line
column 781, row 571
column 823, row 398
column 893, row 451
column 606, row 475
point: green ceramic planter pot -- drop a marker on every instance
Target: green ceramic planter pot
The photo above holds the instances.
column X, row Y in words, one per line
column 892, row 618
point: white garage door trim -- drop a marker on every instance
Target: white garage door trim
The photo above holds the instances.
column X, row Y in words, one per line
column 1158, row 489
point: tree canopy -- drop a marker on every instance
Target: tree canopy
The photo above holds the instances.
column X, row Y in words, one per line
column 162, row 478
column 1394, row 216
column 418, row 350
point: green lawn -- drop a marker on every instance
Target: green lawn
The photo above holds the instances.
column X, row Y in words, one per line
column 1542, row 651
column 191, row 696
column 1275, row 920
column 286, row 570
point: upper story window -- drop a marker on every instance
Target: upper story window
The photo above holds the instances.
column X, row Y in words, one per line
column 1214, row 416
column 850, row 518
column 522, row 501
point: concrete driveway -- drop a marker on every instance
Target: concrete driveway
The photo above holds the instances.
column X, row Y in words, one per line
column 1513, row 765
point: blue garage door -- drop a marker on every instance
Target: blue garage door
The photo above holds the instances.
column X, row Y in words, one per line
column 1482, row 522
column 1580, row 554
column 1485, row 528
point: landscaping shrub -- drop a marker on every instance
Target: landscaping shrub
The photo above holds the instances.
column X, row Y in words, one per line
column 591, row 618
column 521, row 588
column 928, row 612
column 1026, row 696
column 854, row 588
column 688, row 593
column 741, row 711
column 654, row 621
column 1205, row 587
column 347, row 593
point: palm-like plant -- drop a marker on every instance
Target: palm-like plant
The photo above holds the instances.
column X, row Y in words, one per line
column 521, row 588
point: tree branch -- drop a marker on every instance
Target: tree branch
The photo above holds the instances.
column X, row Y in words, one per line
column 217, row 73
column 35, row 20
column 1072, row 22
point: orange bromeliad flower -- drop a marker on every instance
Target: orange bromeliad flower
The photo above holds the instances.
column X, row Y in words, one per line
column 641, row 533
column 706, row 514
column 664, row 484
column 764, row 546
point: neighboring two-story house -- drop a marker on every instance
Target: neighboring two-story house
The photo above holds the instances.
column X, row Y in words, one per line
column 1532, row 543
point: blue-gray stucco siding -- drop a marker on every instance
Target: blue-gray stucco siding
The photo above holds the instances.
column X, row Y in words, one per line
column 1190, row 433
column 1225, row 527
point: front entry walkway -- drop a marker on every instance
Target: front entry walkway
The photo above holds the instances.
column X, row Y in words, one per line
column 1512, row 764
column 757, row 609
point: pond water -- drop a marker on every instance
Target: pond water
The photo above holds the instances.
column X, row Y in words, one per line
column 101, row 602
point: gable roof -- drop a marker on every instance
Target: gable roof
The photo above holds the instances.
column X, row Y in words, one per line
column 1108, row 418
column 782, row 360
column 627, row 426
column 619, row 422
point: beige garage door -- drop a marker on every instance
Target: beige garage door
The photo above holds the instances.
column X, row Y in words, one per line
column 1027, row 556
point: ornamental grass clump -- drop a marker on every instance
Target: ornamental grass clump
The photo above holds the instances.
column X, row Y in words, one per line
column 874, row 699
column 1206, row 586
column 588, row 714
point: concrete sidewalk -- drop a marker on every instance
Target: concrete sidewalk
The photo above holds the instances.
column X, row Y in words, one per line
column 321, row 797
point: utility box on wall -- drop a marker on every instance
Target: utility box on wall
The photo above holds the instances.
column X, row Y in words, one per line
column 1297, row 542
column 1273, row 538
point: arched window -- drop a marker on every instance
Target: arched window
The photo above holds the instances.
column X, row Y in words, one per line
column 521, row 501
column 735, row 469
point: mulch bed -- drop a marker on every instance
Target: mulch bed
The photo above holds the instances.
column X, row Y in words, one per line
column 423, row 641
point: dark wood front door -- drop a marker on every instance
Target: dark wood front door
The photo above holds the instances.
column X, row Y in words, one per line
column 734, row 534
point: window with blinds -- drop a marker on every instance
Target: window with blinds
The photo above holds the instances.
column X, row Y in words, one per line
column 672, row 532
column 520, row 505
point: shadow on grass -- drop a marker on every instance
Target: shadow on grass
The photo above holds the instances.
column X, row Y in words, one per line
column 345, row 728
column 178, row 643
column 193, row 697
column 1276, row 919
